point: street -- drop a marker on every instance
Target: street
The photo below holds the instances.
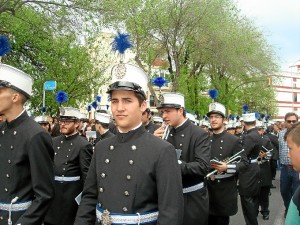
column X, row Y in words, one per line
column 276, row 208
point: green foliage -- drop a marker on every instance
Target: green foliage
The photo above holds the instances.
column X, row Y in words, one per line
column 207, row 44
column 38, row 51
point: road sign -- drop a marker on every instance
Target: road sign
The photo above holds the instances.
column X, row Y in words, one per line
column 50, row 85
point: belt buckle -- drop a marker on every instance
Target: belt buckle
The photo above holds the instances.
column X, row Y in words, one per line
column 106, row 218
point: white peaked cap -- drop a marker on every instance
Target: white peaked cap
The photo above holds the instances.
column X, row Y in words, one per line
column 18, row 80
column 249, row 117
column 191, row 117
column 238, row 124
column 158, row 119
column 171, row 100
column 41, row 119
column 128, row 73
column 102, row 117
column 83, row 116
column 216, row 107
column 70, row 112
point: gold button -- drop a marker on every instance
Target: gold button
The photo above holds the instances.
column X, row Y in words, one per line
column 182, row 135
column 103, row 175
column 107, row 161
column 66, row 163
column 11, row 147
column 131, row 162
column 133, row 147
column 101, row 190
column 9, row 161
column 64, row 169
column 125, row 209
column 126, row 193
column 15, row 132
column 111, row 147
column 128, row 177
column 6, row 189
column 7, row 175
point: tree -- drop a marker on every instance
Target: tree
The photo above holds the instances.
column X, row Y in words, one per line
column 208, row 44
column 38, row 51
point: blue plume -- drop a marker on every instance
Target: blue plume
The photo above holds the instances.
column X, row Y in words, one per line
column 152, row 113
column 213, row 93
column 121, row 43
column 107, row 106
column 95, row 105
column 89, row 108
column 43, row 109
column 188, row 111
column 159, row 81
column 231, row 117
column 203, row 117
column 245, row 108
column 4, row 45
column 256, row 115
column 61, row 97
column 262, row 115
column 237, row 118
column 98, row 98
column 195, row 113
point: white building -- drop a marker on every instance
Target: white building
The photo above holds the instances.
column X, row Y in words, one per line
column 287, row 86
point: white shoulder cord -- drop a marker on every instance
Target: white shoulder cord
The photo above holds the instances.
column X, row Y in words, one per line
column 9, row 211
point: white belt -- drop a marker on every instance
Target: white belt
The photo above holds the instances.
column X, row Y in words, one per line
column 131, row 219
column 67, row 179
column 15, row 207
column 222, row 176
column 193, row 188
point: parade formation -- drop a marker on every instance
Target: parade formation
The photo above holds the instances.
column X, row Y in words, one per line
column 129, row 165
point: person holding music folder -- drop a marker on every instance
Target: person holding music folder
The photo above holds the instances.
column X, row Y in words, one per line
column 192, row 142
column 249, row 179
column 134, row 177
column 222, row 185
column 26, row 162
column 72, row 158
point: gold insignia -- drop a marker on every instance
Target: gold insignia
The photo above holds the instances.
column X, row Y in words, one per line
column 120, row 71
column 106, row 218
column 161, row 99
column 213, row 106
column 62, row 110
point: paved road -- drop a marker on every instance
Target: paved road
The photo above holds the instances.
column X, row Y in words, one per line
column 276, row 209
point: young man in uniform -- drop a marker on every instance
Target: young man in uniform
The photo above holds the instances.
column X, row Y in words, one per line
column 249, row 179
column 222, row 186
column 102, row 124
column 134, row 177
column 26, row 162
column 193, row 143
column 73, row 154
column 146, row 120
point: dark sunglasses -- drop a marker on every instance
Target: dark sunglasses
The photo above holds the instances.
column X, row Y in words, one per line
column 291, row 121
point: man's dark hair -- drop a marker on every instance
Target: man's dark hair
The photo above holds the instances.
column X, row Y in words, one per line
column 290, row 114
column 293, row 133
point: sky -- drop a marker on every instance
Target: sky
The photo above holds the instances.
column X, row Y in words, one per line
column 279, row 20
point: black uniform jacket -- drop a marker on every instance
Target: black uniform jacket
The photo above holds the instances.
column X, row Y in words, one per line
column 195, row 146
column 265, row 167
column 131, row 173
column 72, row 158
column 26, row 169
column 249, row 179
column 151, row 127
column 107, row 134
column 223, row 189
column 275, row 143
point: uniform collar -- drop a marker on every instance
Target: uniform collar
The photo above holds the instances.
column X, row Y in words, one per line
column 23, row 116
column 124, row 137
column 219, row 134
column 71, row 137
column 181, row 127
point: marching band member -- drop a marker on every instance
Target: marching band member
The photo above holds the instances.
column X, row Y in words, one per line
column 192, row 142
column 102, row 123
column 44, row 122
column 222, row 187
column 134, row 177
column 26, row 162
column 72, row 158
column 249, row 179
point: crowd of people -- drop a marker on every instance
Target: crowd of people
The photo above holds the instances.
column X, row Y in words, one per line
column 128, row 167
